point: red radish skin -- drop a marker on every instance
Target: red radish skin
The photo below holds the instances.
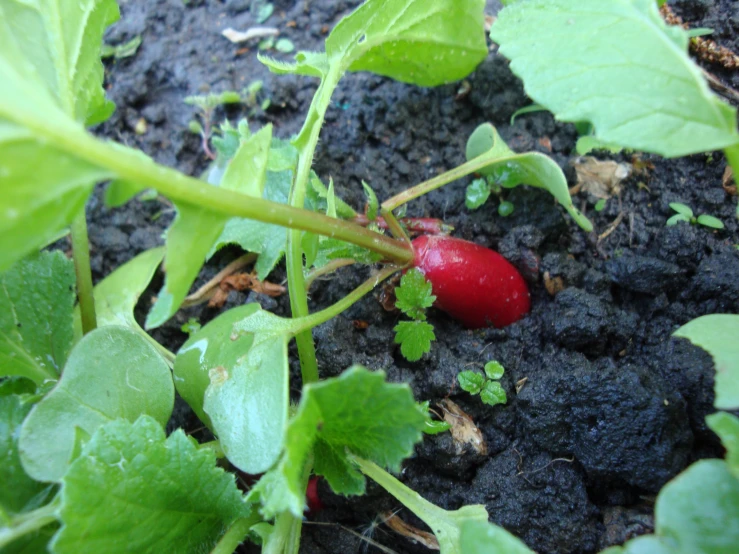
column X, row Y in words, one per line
column 312, row 498
column 473, row 284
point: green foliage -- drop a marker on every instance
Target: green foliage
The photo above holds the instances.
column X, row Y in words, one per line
column 357, row 413
column 480, row 537
column 220, row 372
column 505, row 208
column 36, row 300
column 123, row 50
column 413, row 295
column 490, row 390
column 414, row 338
column 664, row 103
column 130, row 483
column 111, row 373
column 433, row 426
column 726, row 426
column 373, row 205
column 509, row 169
column 684, row 213
column 476, row 194
column 717, row 334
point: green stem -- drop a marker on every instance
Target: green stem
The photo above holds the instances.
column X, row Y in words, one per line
column 81, row 255
column 307, row 141
column 330, row 267
column 732, row 156
column 28, row 523
column 235, row 535
column 439, row 181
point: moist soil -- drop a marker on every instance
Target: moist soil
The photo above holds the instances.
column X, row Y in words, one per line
column 611, row 407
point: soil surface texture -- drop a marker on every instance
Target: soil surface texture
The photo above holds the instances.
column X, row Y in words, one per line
column 609, row 407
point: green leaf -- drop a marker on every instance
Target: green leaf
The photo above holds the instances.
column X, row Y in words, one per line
column 657, row 102
column 19, row 488
column 717, row 334
column 265, row 239
column 476, row 194
column 189, row 239
column 677, row 218
column 493, row 394
column 36, row 304
column 121, row 51
column 357, row 412
column 133, row 490
column 682, row 209
column 317, row 194
column 413, row 41
column 116, row 295
column 111, row 373
column 332, row 249
column 414, row 338
column 471, row 381
column 600, row 204
column 432, row 426
column 312, row 64
column 494, row 369
column 247, row 170
column 726, row 426
column 710, row 221
column 480, row 537
column 413, row 295
column 588, row 143
column 237, row 384
column 373, row 205
column 531, row 168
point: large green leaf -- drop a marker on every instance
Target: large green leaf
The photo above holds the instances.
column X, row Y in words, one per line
column 717, row 334
column 247, row 170
column 132, row 490
column 36, row 303
column 480, row 537
column 237, row 383
column 357, row 412
column 414, row 41
column 531, row 168
column 51, row 77
column 18, row 488
column 619, row 66
column 111, row 373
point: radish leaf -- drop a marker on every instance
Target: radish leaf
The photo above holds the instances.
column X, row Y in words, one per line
column 36, row 305
column 414, row 338
column 413, row 295
column 131, row 486
column 726, row 426
column 585, row 61
column 481, row 537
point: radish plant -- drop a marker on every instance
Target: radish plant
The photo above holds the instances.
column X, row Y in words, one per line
column 86, row 392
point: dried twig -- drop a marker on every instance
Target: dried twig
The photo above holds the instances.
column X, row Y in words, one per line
column 207, row 291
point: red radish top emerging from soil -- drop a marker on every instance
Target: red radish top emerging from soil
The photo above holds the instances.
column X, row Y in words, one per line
column 472, row 283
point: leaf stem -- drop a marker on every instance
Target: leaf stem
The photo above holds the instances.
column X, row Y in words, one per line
column 28, row 523
column 439, row 181
column 732, row 156
column 81, row 255
column 235, row 535
column 330, row 267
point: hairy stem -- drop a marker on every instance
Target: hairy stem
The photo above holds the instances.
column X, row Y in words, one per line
column 81, row 255
column 235, row 535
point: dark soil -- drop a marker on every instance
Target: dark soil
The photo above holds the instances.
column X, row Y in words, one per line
column 612, row 406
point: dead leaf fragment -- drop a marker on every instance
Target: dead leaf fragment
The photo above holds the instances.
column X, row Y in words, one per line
column 243, row 281
column 408, row 531
column 727, row 181
column 601, row 179
column 255, row 32
column 464, row 431
column 553, row 285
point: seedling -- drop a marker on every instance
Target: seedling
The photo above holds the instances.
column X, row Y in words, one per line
column 413, row 296
column 684, row 213
column 478, row 192
column 98, row 436
column 487, row 386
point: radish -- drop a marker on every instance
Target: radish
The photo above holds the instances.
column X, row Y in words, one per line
column 312, row 497
column 473, row 284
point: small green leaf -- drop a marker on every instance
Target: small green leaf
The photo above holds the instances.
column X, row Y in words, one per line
column 677, row 218
column 471, row 381
column 19, row 488
column 477, row 193
column 221, row 371
column 726, row 426
column 493, row 394
column 710, row 221
column 191, row 326
column 111, row 373
column 414, row 338
column 284, row 45
column 531, row 168
column 317, row 194
column 717, row 334
column 36, row 305
column 247, row 170
column 481, row 537
column 133, row 490
column 532, row 108
column 413, row 295
column 121, row 51
column 357, row 412
column 265, row 239
column 682, row 209
column 332, row 249
column 494, row 369
column 664, row 104
column 505, row 208
column 189, row 239
column 600, row 204
column 432, row 426
column 588, row 143
column 312, row 64
column 373, row 205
